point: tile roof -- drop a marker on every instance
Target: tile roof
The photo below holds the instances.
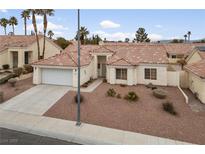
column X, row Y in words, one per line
column 181, row 48
column 69, row 57
column 197, row 68
column 16, row 41
column 122, row 54
column 147, row 53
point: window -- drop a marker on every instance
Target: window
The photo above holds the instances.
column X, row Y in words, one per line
column 174, row 56
column 121, row 74
column 98, row 66
column 151, row 73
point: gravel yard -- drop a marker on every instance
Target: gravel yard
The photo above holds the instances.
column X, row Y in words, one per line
column 20, row 87
column 144, row 116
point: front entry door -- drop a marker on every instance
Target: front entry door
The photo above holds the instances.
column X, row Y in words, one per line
column 15, row 59
column 103, row 70
column 26, row 57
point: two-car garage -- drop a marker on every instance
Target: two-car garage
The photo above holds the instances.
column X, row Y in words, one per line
column 57, row 76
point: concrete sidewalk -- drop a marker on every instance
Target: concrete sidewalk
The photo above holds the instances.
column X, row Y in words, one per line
column 68, row 131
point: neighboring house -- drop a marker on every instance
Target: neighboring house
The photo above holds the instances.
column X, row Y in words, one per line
column 195, row 73
column 18, row 50
column 119, row 63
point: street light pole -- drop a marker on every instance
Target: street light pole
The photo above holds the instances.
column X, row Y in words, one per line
column 78, row 95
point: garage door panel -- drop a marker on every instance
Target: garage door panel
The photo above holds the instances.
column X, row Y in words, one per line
column 57, row 76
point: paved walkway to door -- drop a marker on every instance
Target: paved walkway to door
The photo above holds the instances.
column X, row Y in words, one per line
column 36, row 100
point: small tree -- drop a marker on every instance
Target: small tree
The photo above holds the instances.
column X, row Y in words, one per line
column 177, row 41
column 62, row 42
column 141, row 36
column 127, row 40
column 50, row 34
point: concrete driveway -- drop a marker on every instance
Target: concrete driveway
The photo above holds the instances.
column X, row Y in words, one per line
column 36, row 100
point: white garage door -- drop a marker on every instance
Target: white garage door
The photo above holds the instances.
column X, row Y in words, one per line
column 57, row 76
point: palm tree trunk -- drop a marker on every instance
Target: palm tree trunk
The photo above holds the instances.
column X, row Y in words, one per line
column 36, row 33
column 13, row 29
column 5, row 30
column 25, row 27
column 44, row 34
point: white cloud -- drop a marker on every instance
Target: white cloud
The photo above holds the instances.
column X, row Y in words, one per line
column 3, row 10
column 158, row 26
column 122, row 35
column 51, row 26
column 155, row 37
column 114, row 36
column 109, row 24
column 174, row 37
column 57, row 32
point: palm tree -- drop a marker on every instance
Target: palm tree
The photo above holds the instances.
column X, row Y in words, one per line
column 4, row 22
column 189, row 34
column 13, row 22
column 45, row 13
column 25, row 14
column 185, row 38
column 33, row 13
column 83, row 34
column 50, row 34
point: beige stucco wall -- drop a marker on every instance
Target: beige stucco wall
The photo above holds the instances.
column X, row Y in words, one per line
column 3, row 58
column 174, row 60
column 161, row 74
column 37, row 75
column 184, row 79
column 50, row 50
column 173, row 78
column 131, row 75
column 86, row 73
column 135, row 75
column 6, row 56
column 194, row 58
column 197, row 85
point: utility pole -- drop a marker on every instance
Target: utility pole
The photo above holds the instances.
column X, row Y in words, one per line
column 78, row 95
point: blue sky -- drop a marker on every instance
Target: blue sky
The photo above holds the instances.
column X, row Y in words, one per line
column 118, row 24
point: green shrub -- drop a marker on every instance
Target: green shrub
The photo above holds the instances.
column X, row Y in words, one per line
column 168, row 107
column 131, row 96
column 18, row 71
column 149, row 85
column 105, row 80
column 111, row 92
column 160, row 93
column 119, row 96
column 1, row 96
column 154, row 87
column 196, row 95
column 28, row 68
column 85, row 85
column 123, row 85
column 12, row 82
column 81, row 98
column 5, row 66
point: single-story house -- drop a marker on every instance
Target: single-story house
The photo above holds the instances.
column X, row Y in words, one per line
column 18, row 50
column 195, row 72
column 119, row 63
